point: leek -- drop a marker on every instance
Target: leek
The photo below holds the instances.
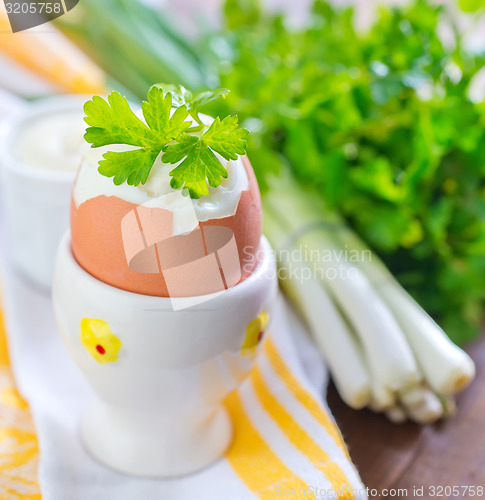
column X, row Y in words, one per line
column 339, row 347
column 382, row 349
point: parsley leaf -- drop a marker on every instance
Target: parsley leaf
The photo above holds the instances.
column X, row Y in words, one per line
column 226, row 138
column 131, row 166
column 199, row 163
column 193, row 102
column 157, row 114
column 113, row 122
column 203, row 98
column 199, row 160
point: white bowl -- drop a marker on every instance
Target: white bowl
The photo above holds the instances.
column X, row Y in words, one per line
column 37, row 200
column 158, row 411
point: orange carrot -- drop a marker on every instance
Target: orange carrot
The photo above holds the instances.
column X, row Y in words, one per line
column 52, row 56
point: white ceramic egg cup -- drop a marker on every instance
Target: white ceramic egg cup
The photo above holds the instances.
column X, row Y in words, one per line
column 158, row 411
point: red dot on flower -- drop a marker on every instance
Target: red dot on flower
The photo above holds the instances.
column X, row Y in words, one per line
column 260, row 335
column 101, row 349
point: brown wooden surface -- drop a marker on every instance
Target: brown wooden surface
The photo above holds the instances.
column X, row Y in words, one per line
column 404, row 456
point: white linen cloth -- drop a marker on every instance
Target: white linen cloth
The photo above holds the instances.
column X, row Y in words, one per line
column 57, row 394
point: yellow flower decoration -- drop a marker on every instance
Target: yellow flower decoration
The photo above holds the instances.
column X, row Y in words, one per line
column 254, row 333
column 99, row 340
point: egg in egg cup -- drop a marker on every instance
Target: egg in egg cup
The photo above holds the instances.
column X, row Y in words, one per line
column 163, row 301
column 160, row 375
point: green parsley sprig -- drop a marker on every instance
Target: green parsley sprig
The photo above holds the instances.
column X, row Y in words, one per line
column 194, row 147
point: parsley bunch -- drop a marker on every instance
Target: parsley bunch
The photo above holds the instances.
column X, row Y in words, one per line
column 381, row 124
column 112, row 121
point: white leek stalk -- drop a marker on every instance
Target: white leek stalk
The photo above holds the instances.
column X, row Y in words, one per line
column 388, row 355
column 449, row 406
column 447, row 368
column 396, row 415
column 382, row 397
column 428, row 411
column 340, row 349
column 396, row 359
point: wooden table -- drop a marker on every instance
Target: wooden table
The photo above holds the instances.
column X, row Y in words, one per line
column 404, row 456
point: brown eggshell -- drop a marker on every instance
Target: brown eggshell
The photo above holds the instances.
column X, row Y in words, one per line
column 128, row 246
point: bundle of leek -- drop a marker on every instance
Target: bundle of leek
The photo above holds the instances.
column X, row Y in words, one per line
column 382, row 349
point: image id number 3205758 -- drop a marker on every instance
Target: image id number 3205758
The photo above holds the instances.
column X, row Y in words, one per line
column 456, row 491
column 33, row 7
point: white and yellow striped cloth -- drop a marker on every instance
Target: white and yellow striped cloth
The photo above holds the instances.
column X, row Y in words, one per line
column 286, row 443
column 19, row 452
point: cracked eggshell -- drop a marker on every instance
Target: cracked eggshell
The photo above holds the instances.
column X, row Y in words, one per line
column 228, row 246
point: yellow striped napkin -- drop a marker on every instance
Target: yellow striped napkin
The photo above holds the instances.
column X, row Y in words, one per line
column 286, row 443
column 282, row 432
column 19, row 453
